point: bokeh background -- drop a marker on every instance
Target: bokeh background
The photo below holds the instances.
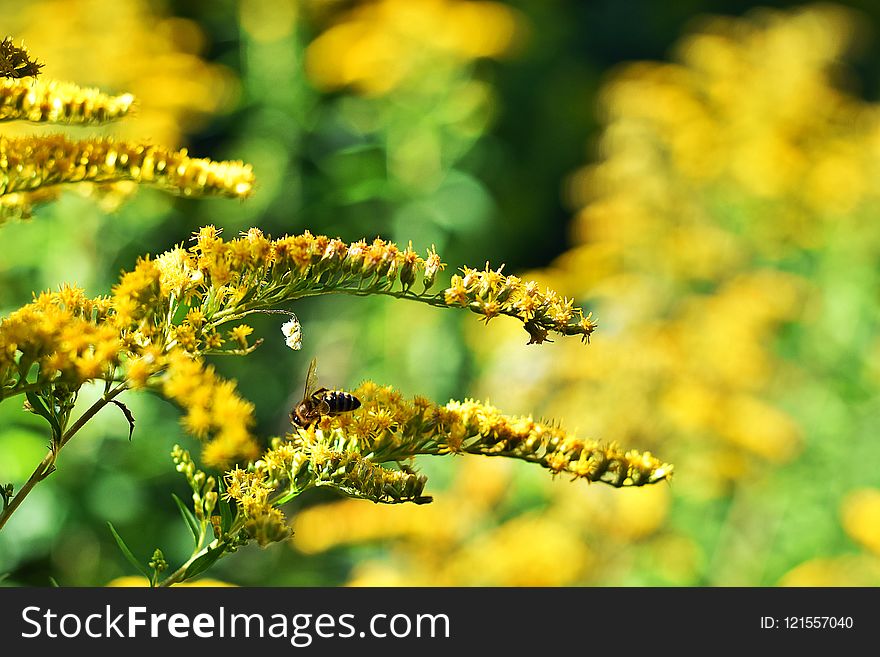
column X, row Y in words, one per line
column 703, row 176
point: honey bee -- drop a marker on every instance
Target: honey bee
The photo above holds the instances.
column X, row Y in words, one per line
column 316, row 404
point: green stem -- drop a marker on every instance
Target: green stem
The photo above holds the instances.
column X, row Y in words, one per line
column 234, row 314
column 47, row 465
column 43, row 470
column 178, row 575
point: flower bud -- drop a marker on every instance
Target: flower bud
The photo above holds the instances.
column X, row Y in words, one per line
column 432, row 266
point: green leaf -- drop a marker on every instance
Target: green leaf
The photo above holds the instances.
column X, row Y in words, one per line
column 128, row 554
column 41, row 410
column 54, row 582
column 287, row 496
column 188, row 517
column 204, row 562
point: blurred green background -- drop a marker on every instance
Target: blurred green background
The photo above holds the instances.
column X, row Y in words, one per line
column 701, row 175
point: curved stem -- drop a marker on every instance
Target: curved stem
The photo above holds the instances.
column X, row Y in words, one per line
column 234, row 314
column 47, row 465
column 43, row 470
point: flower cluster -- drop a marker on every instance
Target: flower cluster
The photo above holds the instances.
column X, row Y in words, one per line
column 254, row 272
column 60, row 337
column 307, row 264
column 212, row 408
column 347, row 451
column 490, row 293
column 33, row 164
column 390, row 428
column 52, row 101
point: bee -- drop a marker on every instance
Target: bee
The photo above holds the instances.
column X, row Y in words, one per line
column 316, row 404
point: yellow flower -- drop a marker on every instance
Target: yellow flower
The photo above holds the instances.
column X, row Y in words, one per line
column 239, row 334
column 29, row 163
column 379, row 46
column 51, row 101
column 861, row 517
column 847, row 571
column 135, row 580
column 214, row 409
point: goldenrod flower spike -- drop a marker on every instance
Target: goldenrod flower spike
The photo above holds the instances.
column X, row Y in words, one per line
column 490, row 293
column 347, row 451
column 31, row 163
column 474, row 428
column 358, row 477
column 255, row 272
column 51, row 101
column 388, row 427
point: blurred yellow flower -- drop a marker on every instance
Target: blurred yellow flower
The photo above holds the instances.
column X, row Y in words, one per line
column 353, row 523
column 625, row 517
column 137, row 581
column 528, row 550
column 378, row 45
column 860, row 513
column 268, row 20
column 372, row 573
column 840, row 571
column 720, row 176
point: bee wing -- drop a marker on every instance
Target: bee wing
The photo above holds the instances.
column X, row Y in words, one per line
column 311, row 379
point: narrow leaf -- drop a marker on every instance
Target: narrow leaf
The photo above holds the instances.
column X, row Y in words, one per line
column 204, row 562
column 188, row 517
column 128, row 554
column 128, row 416
column 40, row 409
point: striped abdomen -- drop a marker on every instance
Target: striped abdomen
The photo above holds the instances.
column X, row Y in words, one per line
column 338, row 401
